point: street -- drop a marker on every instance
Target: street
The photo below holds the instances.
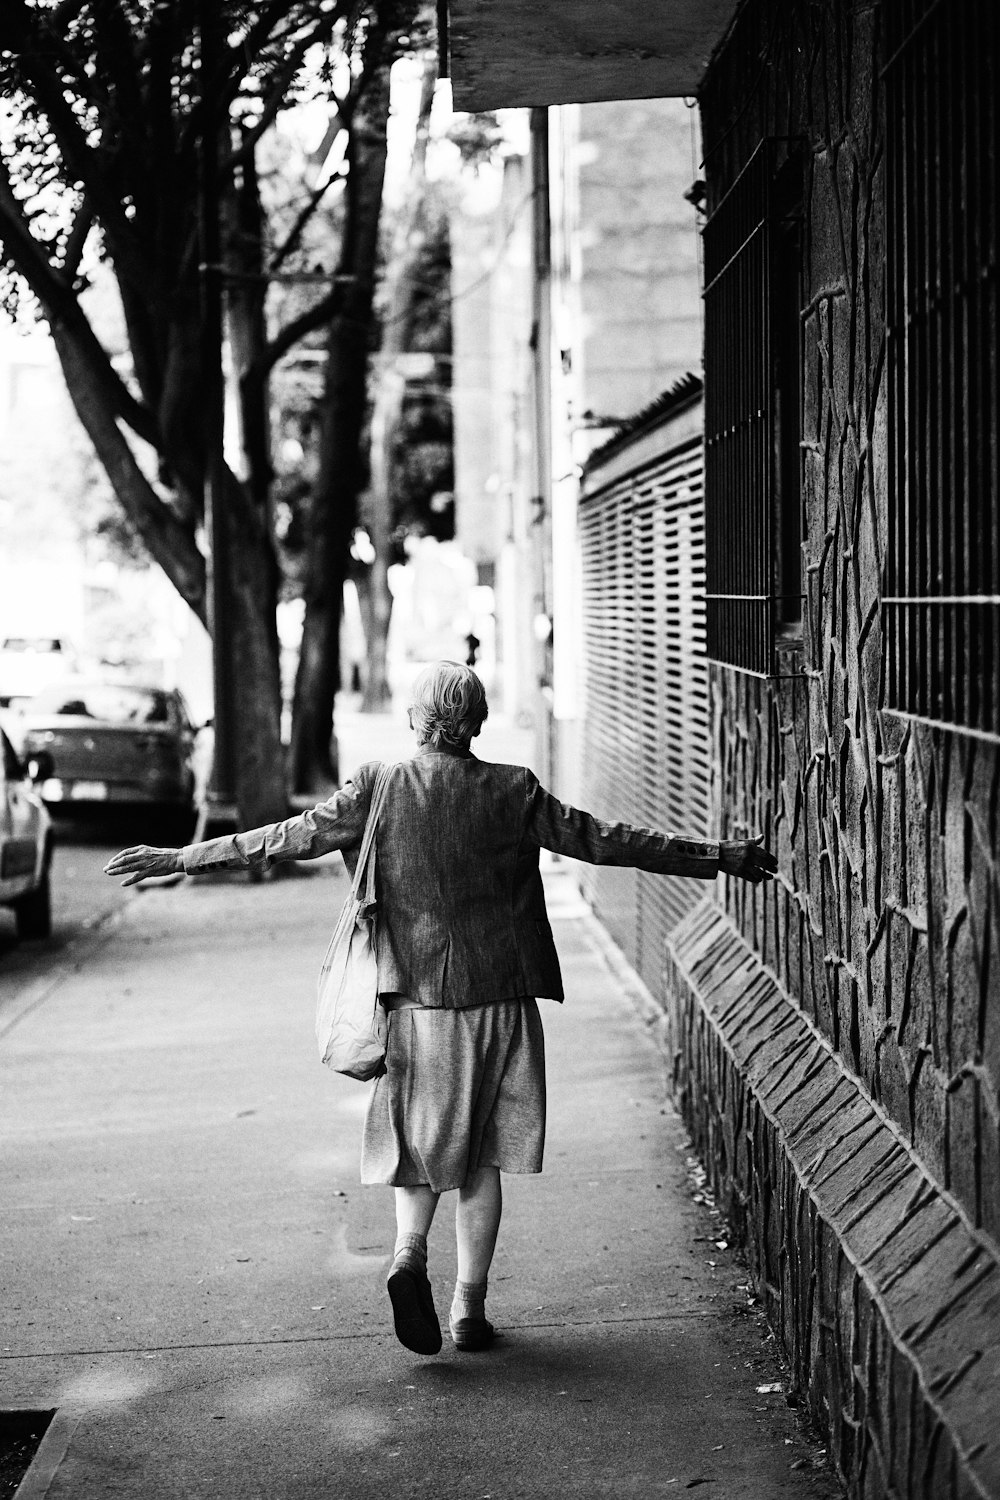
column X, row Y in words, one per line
column 82, row 898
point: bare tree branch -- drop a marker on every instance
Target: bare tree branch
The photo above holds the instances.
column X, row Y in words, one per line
column 170, row 543
column 291, row 241
column 278, row 87
column 49, row 91
column 317, row 316
column 75, row 242
column 60, row 305
column 52, row 25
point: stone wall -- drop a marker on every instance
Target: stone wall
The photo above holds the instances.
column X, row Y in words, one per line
column 869, row 971
column 882, row 924
column 885, row 922
column 887, row 1300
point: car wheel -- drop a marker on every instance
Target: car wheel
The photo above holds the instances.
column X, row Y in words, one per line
column 33, row 912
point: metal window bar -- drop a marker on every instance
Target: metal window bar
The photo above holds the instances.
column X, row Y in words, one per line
column 941, row 608
column 745, row 552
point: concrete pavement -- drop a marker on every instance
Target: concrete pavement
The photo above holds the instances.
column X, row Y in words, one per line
column 193, row 1278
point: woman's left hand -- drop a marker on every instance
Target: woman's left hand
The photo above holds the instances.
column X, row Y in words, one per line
column 747, row 859
column 141, row 862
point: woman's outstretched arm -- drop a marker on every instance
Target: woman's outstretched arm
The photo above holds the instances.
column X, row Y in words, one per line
column 569, row 830
column 337, row 823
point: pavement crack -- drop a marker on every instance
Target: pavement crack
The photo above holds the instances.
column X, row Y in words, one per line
column 351, row 1336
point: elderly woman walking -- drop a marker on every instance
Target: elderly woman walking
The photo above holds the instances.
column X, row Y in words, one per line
column 464, row 951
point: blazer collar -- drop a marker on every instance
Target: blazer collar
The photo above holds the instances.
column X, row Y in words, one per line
column 453, row 750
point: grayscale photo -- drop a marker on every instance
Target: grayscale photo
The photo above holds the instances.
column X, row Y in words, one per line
column 499, row 750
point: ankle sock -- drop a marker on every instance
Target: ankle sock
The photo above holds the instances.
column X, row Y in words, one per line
column 469, row 1300
column 411, row 1250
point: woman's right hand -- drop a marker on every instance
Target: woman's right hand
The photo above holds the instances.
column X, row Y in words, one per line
column 142, row 862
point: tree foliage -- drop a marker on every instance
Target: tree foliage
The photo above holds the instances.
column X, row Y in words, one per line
column 109, row 102
column 108, row 107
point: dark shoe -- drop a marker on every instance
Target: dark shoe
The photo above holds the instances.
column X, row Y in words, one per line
column 417, row 1325
column 471, row 1334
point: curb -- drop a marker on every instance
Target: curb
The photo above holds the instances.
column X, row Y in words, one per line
column 49, row 1455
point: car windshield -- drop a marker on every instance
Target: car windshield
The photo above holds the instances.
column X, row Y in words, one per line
column 108, row 703
column 23, row 643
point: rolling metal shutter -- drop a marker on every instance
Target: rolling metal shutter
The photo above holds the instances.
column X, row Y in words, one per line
column 645, row 733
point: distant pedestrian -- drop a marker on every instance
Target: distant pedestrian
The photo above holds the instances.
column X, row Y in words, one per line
column 472, row 643
column 464, row 950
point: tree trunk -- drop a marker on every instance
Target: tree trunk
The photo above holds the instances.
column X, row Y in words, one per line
column 260, row 778
column 387, row 409
column 260, row 787
column 253, row 565
column 314, row 766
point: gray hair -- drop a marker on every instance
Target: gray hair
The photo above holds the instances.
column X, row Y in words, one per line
column 448, row 705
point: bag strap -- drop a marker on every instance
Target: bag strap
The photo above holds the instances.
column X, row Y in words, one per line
column 366, row 858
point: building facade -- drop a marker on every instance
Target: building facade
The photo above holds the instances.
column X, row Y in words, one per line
column 834, row 1038
column 586, row 271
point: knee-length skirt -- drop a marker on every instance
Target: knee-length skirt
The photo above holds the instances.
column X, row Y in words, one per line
column 462, row 1089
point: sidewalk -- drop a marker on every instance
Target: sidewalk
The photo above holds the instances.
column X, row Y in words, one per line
column 195, row 1281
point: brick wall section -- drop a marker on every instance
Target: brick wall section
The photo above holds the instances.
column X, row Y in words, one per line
column 887, row 1299
column 885, row 924
column 835, row 1036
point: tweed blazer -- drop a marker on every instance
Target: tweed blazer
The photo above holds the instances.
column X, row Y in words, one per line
column 461, row 910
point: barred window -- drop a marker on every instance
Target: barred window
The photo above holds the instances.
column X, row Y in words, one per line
column 752, row 411
column 941, row 607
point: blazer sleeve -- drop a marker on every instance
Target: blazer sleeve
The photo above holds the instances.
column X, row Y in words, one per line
column 567, row 830
column 338, row 823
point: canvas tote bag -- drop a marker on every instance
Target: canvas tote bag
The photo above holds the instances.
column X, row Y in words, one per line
column 351, row 1026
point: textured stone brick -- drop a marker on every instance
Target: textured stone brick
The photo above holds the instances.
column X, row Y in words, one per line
column 893, row 1080
column 902, row 939
column 937, row 1472
column 846, row 1113
column 879, row 1206
column 989, row 1165
column 961, row 988
column 963, row 1140
column 821, row 1009
column 931, row 1219
column 890, row 891
column 845, row 1172
column 953, row 1351
column 904, row 1410
column 933, row 1281
column 930, row 1111
column 914, row 813
column 868, row 1273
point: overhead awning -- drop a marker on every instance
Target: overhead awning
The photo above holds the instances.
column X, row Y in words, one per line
column 504, row 53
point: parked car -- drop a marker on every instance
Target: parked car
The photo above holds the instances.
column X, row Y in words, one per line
column 95, row 745
column 31, row 663
column 25, row 848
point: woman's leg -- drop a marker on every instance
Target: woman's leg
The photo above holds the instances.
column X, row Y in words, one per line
column 415, row 1209
column 477, row 1220
column 409, row 1290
